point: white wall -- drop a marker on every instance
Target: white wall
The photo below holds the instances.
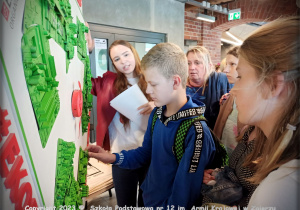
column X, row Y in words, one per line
column 163, row 16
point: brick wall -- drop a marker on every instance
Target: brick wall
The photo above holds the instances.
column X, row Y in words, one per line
column 209, row 34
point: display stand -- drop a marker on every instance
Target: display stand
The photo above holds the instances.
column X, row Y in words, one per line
column 99, row 178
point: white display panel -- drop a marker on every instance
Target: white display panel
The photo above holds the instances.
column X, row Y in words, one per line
column 39, row 162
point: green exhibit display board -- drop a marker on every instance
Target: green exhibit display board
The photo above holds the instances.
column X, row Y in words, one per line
column 43, row 61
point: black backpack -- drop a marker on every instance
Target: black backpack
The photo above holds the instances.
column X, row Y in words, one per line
column 220, row 158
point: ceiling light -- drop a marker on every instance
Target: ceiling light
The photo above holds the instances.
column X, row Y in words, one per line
column 206, row 18
column 234, row 37
column 231, row 42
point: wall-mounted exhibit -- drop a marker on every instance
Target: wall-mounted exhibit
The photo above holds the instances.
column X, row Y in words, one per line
column 45, row 103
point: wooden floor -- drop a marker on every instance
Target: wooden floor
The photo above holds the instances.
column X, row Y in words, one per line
column 103, row 200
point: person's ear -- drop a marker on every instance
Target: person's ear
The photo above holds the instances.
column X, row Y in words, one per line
column 278, row 85
column 176, row 82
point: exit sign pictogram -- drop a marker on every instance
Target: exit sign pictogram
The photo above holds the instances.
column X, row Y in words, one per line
column 234, row 14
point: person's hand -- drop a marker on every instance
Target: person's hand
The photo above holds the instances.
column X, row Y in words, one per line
column 89, row 40
column 224, row 98
column 99, row 153
column 146, row 108
column 208, row 176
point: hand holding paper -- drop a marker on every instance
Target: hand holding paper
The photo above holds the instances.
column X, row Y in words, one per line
column 128, row 102
column 147, row 108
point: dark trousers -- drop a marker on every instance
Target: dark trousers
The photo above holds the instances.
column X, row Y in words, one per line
column 126, row 182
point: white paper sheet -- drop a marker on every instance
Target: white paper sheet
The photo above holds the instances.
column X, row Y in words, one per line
column 127, row 103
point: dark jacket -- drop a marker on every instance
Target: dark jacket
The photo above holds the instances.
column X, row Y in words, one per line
column 217, row 86
column 168, row 183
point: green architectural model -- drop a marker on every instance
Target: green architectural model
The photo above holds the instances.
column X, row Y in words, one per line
column 87, row 96
column 40, row 73
column 82, row 172
column 45, row 19
column 68, row 191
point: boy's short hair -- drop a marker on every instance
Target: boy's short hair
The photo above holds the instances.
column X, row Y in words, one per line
column 169, row 59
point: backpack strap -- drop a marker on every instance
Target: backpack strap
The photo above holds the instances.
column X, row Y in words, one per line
column 197, row 147
column 154, row 118
column 179, row 148
column 220, row 158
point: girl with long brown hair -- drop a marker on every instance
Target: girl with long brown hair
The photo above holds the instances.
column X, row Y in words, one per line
column 115, row 132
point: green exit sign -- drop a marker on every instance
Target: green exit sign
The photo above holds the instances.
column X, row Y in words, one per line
column 234, row 14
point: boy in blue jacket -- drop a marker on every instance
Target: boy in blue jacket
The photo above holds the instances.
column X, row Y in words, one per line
column 177, row 144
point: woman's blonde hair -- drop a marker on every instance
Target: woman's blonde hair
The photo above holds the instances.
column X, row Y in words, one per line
column 121, row 83
column 207, row 62
column 271, row 50
column 223, row 65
